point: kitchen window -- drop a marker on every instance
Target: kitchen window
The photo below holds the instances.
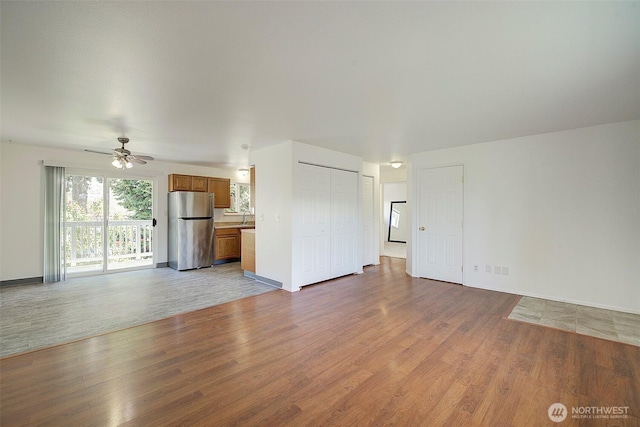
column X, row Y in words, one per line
column 240, row 199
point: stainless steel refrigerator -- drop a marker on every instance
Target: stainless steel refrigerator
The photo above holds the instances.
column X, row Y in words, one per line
column 190, row 230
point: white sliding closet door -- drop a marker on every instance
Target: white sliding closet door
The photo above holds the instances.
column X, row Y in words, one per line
column 344, row 222
column 315, row 185
column 327, row 233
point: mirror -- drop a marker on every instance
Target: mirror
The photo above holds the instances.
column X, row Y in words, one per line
column 398, row 222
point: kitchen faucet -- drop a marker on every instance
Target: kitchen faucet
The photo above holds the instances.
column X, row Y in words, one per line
column 244, row 220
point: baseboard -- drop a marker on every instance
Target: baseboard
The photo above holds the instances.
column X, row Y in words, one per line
column 162, row 264
column 27, row 281
column 553, row 298
column 225, row 261
column 264, row 280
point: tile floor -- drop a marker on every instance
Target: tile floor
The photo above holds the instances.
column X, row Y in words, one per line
column 46, row 314
column 394, row 250
column 596, row 322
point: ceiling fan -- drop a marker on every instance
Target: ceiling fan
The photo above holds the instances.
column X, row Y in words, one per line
column 122, row 157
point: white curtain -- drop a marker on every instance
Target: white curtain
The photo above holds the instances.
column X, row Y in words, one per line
column 54, row 223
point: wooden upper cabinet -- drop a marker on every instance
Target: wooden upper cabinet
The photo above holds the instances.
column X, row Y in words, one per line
column 179, row 182
column 199, row 183
column 221, row 187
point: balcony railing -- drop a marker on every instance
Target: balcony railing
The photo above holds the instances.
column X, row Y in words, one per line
column 129, row 244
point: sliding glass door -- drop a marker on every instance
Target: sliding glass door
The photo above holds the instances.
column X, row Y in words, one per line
column 129, row 223
column 108, row 223
column 84, row 224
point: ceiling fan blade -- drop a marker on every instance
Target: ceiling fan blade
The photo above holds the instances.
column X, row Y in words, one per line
column 123, row 155
column 134, row 159
column 99, row 152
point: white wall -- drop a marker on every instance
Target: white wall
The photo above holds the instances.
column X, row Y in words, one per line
column 21, row 210
column 273, row 210
column 391, row 174
column 3, row 187
column 276, row 256
column 560, row 210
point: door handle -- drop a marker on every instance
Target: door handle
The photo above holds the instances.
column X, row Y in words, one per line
column 154, row 222
column 422, row 229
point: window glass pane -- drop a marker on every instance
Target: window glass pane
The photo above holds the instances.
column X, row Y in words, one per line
column 244, row 198
column 83, row 222
column 130, row 229
column 234, row 202
column 130, row 199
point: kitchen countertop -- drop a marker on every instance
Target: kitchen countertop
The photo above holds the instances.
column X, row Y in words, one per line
column 223, row 225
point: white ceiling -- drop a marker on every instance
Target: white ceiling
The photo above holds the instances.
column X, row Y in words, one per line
column 194, row 81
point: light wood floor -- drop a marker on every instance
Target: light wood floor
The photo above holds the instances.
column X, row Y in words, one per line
column 380, row 348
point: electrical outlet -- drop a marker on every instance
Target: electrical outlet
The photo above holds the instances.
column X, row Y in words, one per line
column 497, row 269
column 475, row 268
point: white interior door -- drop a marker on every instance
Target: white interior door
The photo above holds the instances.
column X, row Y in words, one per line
column 344, row 222
column 440, row 216
column 316, row 225
column 367, row 221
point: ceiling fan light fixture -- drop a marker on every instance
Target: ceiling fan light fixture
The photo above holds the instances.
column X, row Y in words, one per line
column 122, row 158
column 396, row 164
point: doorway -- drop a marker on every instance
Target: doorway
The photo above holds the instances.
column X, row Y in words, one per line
column 394, row 215
column 108, row 223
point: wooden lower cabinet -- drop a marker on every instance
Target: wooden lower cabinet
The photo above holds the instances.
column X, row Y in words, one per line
column 226, row 244
column 248, row 261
